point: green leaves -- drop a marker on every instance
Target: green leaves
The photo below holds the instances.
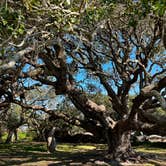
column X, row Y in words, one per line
column 11, row 22
column 97, row 12
column 159, row 7
column 138, row 10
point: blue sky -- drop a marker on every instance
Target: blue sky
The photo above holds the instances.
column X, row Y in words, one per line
column 81, row 78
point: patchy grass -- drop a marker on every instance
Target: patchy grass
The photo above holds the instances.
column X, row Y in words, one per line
column 21, row 136
column 154, row 152
column 72, row 148
column 33, row 153
column 4, row 136
column 151, row 150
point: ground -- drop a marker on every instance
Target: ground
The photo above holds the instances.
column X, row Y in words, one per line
column 35, row 154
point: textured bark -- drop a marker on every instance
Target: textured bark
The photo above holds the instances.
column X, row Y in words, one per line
column 117, row 134
column 90, row 109
column 119, row 145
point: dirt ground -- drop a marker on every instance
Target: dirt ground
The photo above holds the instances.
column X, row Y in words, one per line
column 35, row 154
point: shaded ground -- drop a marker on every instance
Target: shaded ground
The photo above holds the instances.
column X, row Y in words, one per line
column 28, row 154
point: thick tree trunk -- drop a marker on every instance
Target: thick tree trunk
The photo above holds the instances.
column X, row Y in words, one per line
column 119, row 143
column 51, row 142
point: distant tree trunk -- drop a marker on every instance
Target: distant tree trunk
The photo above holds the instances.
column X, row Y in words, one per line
column 16, row 135
column 9, row 137
column 51, row 142
column 0, row 135
column 12, row 136
column 41, row 135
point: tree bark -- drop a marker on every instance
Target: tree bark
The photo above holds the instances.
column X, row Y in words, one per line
column 40, row 135
column 117, row 133
column 119, row 146
column 16, row 135
column 0, row 135
column 12, row 136
column 119, row 143
column 9, row 137
column 51, row 142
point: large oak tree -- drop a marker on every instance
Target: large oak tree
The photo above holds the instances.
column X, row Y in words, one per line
column 102, row 45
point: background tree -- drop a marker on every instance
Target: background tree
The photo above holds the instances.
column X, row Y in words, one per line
column 13, row 120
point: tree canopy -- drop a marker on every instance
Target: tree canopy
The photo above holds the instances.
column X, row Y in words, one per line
column 77, row 49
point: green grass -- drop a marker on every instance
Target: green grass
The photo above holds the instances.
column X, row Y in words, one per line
column 72, row 148
column 151, row 150
column 21, row 136
column 35, row 153
column 4, row 136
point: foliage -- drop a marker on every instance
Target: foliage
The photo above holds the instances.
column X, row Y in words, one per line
column 11, row 23
column 79, row 61
column 31, row 135
column 13, row 117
